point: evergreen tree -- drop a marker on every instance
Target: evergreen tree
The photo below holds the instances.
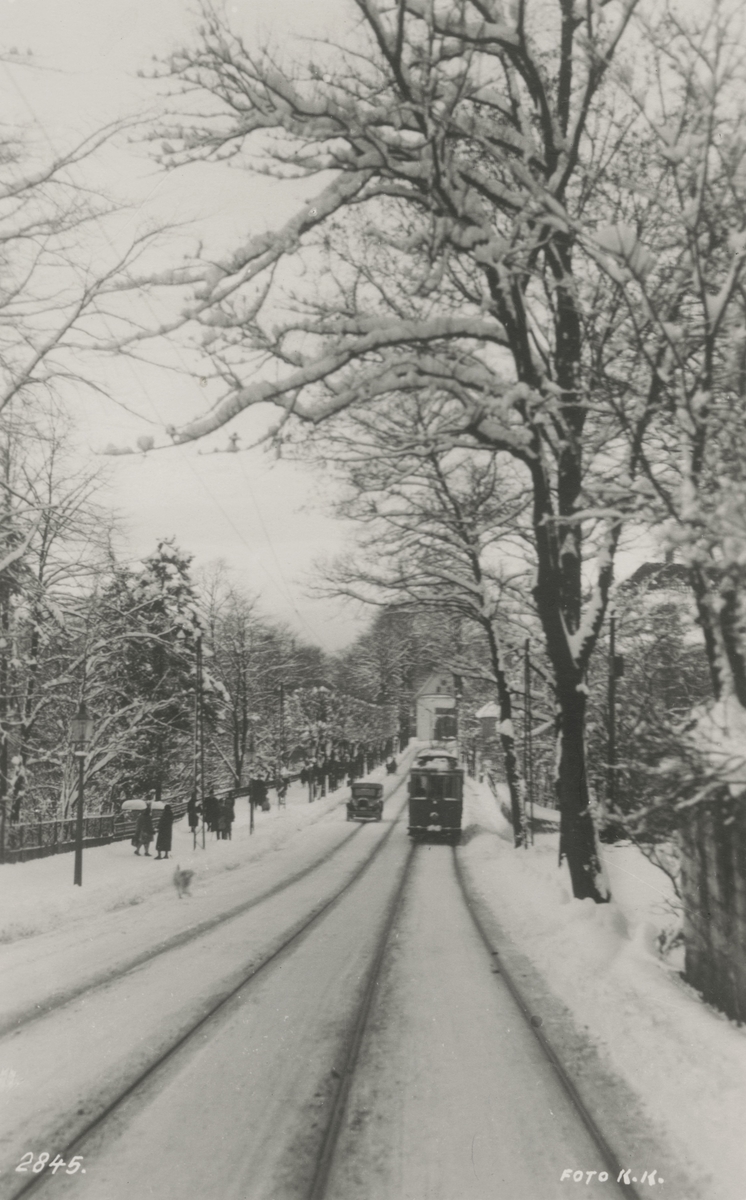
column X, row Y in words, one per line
column 151, row 618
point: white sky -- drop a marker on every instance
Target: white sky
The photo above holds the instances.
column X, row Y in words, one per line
column 264, row 518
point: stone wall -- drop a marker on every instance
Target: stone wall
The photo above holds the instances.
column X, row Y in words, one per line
column 713, row 843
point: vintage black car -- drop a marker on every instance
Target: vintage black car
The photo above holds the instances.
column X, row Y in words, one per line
column 366, row 802
column 436, row 788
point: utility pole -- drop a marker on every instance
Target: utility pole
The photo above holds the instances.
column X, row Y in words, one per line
column 252, row 787
column 527, row 743
column 281, row 750
column 616, row 671
column 201, row 734
column 195, row 748
column 5, row 798
column 81, row 733
column 78, row 873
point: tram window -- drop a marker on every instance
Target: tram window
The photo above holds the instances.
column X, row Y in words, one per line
column 440, row 788
column 444, row 787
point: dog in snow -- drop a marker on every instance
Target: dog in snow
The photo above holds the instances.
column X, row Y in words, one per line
column 182, row 881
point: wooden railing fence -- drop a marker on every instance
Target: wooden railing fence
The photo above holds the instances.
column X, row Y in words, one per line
column 38, row 839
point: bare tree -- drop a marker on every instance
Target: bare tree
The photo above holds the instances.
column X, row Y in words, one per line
column 464, row 157
column 248, row 660
column 65, row 274
column 54, row 535
column 675, row 295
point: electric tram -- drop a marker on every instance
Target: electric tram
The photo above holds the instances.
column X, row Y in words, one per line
column 436, row 790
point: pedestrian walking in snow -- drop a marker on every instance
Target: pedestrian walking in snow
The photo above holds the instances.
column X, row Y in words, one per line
column 144, row 830
column 165, row 825
column 193, row 813
column 258, row 793
column 212, row 813
column 227, row 813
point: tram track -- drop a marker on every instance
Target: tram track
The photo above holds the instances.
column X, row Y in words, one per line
column 613, row 1163
column 347, row 1051
column 325, row 1157
column 15, row 1021
column 325, row 1160
column 71, row 1141
column 326, row 1154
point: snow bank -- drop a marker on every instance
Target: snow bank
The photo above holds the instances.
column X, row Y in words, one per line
column 684, row 1062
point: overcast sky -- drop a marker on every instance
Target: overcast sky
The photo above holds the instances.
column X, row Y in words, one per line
column 264, row 518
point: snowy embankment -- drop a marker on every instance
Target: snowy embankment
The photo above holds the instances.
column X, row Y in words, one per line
column 39, row 896
column 640, row 1045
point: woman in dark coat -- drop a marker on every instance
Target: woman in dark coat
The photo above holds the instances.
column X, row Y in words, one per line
column 144, row 830
column 163, row 841
column 212, row 813
column 193, row 813
column 227, row 814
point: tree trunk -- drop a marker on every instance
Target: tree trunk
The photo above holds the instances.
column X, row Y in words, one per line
column 4, row 706
column 507, row 740
column 512, row 777
column 558, row 595
column 577, row 834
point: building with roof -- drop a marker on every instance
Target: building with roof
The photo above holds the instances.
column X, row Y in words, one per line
column 436, row 708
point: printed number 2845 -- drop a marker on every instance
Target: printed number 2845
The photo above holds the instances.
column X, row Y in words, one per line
column 54, row 1166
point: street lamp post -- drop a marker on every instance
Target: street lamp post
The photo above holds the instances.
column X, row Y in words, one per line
column 81, row 734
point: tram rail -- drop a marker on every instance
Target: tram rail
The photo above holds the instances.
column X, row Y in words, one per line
column 358, row 1022
column 16, row 1020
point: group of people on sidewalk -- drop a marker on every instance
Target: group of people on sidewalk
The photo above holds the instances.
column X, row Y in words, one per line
column 144, row 831
column 219, row 816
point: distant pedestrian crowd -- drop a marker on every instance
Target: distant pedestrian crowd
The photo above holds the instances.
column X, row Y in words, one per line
column 219, row 815
column 220, row 812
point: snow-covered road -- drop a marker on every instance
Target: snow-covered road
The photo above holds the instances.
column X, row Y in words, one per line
column 453, row 1098
column 445, row 1096
column 73, row 1060
column 450, row 1097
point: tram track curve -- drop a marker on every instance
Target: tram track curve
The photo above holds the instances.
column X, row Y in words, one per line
column 19, row 1019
